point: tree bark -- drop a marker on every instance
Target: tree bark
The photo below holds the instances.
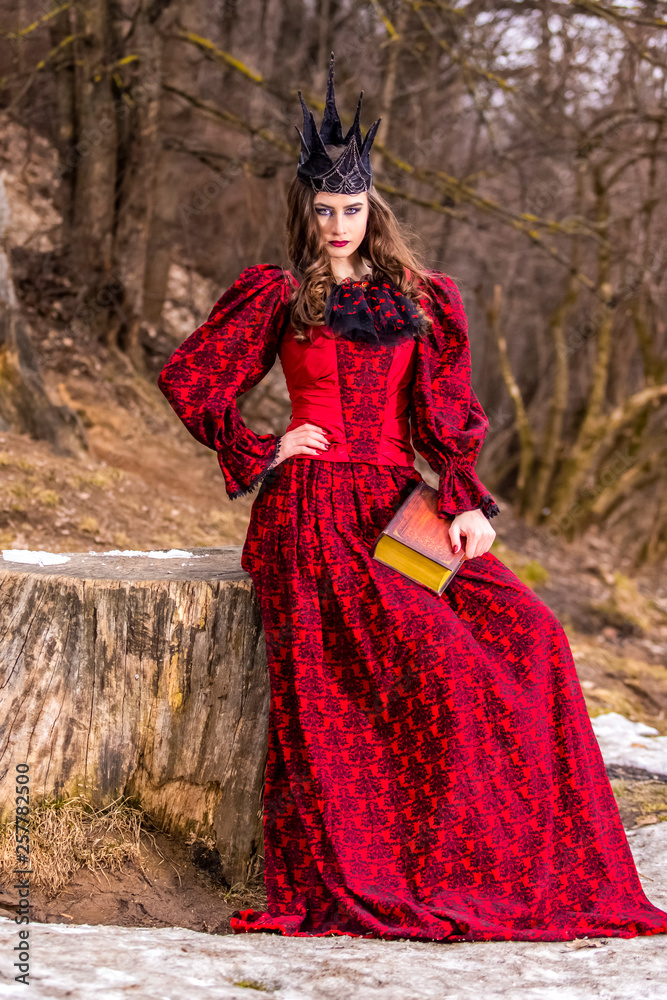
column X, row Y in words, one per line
column 140, row 150
column 25, row 406
column 65, row 81
column 93, row 156
column 142, row 676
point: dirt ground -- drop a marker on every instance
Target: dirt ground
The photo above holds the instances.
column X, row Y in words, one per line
column 173, row 885
column 145, row 483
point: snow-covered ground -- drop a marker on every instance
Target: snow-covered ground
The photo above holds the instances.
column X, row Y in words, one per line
column 630, row 744
column 118, row 963
column 41, row 558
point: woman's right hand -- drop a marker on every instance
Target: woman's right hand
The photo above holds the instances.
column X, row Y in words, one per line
column 307, row 439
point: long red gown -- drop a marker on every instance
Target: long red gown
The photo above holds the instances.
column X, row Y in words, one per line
column 432, row 772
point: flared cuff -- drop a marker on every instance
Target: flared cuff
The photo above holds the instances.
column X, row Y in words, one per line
column 243, row 472
column 460, row 490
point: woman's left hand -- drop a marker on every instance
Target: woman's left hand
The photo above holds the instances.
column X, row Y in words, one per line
column 478, row 533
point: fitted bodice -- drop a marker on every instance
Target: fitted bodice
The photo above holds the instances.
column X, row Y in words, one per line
column 375, row 378
column 358, row 393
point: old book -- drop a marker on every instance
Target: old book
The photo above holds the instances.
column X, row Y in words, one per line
column 416, row 541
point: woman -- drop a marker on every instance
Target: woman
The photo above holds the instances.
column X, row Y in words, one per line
column 432, row 772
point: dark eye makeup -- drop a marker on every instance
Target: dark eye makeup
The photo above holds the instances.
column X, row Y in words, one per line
column 320, row 211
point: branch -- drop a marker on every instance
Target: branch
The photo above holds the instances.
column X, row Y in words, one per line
column 628, row 411
column 526, row 224
column 613, row 18
column 416, row 6
column 22, row 32
column 42, row 64
column 526, row 441
column 242, row 125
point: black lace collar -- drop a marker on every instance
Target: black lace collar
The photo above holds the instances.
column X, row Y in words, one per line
column 371, row 312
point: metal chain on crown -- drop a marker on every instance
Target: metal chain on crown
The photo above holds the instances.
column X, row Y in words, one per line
column 336, row 183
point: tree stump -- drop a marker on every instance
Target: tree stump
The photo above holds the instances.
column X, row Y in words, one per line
column 139, row 674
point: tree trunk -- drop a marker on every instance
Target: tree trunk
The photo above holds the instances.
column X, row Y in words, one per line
column 140, row 150
column 161, row 239
column 93, row 157
column 139, row 675
column 25, row 406
column 60, row 29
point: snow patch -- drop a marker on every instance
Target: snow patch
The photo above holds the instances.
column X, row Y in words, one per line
column 37, row 557
column 52, row 558
column 630, row 744
column 153, row 553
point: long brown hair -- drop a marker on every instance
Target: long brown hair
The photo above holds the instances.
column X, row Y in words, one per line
column 385, row 244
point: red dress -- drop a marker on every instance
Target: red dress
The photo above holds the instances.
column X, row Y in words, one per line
column 432, row 772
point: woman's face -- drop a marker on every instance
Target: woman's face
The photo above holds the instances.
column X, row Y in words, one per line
column 342, row 219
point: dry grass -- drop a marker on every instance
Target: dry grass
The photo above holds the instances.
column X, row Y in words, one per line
column 530, row 571
column 69, row 834
column 626, row 609
column 251, row 893
column 642, row 803
column 103, row 478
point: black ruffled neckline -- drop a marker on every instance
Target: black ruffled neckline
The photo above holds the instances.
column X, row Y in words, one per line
column 371, row 312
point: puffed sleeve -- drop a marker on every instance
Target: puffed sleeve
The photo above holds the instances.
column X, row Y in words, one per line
column 448, row 423
column 226, row 356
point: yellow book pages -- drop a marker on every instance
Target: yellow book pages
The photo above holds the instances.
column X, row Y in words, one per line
column 413, row 564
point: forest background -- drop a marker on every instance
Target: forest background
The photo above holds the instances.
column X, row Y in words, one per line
column 146, row 150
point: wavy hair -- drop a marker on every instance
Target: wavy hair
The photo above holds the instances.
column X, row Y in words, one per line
column 386, row 244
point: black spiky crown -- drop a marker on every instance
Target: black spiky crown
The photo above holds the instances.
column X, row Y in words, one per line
column 351, row 172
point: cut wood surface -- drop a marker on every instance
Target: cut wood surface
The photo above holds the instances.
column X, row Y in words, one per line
column 140, row 674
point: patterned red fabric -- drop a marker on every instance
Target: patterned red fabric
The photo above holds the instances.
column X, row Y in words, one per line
column 225, row 357
column 238, row 345
column 432, row 772
column 322, row 392
column 449, row 424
